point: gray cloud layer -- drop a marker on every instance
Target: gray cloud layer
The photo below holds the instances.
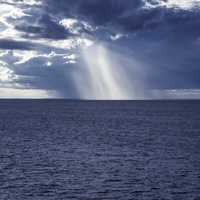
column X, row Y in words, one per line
column 161, row 37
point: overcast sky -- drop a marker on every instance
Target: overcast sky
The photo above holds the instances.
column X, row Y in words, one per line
column 100, row 49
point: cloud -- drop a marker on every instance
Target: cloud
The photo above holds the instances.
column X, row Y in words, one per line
column 124, row 15
column 45, row 28
column 26, row 93
column 6, row 74
column 12, row 44
column 175, row 94
column 155, row 42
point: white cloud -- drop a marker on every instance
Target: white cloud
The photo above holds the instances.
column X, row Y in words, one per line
column 48, row 64
column 180, row 4
column 32, row 2
column 75, row 26
column 71, row 58
column 9, row 14
column 176, row 94
column 26, row 93
column 184, row 4
column 3, row 53
column 116, row 37
column 24, row 2
column 6, row 74
column 24, row 56
column 70, row 25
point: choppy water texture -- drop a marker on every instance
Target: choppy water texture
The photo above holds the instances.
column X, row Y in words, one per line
column 76, row 150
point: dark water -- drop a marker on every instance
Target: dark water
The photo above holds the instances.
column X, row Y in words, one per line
column 73, row 150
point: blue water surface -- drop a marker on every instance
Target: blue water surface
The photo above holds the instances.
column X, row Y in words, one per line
column 99, row 150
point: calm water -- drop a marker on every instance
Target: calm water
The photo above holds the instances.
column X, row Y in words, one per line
column 73, row 150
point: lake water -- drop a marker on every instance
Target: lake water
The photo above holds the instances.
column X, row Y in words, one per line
column 99, row 150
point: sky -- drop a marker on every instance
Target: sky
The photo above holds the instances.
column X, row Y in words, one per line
column 100, row 49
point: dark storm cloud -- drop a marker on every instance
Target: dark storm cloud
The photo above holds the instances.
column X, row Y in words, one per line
column 12, row 44
column 9, row 44
column 164, row 39
column 93, row 10
column 127, row 14
column 46, row 28
column 58, row 77
column 111, row 16
column 171, row 57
